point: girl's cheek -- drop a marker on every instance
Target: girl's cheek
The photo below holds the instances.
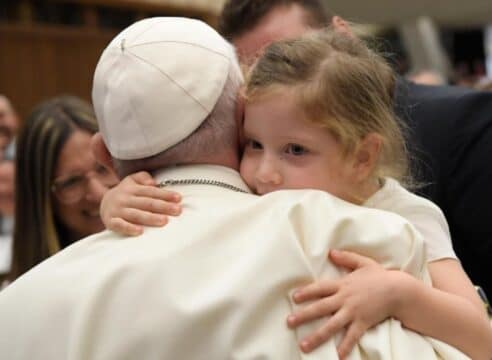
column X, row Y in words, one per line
column 245, row 169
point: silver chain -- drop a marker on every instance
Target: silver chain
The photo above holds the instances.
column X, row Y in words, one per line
column 224, row 185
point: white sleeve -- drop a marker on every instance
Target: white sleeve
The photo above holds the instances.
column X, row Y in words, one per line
column 431, row 223
column 5, row 253
column 423, row 214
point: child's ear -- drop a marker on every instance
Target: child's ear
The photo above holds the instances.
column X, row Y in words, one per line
column 341, row 26
column 367, row 156
column 239, row 115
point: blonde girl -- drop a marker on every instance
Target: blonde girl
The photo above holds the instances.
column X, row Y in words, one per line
column 318, row 115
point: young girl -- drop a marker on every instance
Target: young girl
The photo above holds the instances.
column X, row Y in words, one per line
column 318, row 114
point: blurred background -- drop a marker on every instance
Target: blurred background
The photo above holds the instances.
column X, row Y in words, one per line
column 48, row 47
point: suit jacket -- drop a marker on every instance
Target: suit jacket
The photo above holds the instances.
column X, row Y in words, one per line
column 450, row 141
column 214, row 284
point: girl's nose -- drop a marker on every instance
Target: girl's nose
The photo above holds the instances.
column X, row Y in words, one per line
column 268, row 173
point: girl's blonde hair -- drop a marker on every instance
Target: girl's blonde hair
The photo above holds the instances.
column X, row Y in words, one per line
column 340, row 84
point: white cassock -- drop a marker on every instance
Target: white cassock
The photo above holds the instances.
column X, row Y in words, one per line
column 215, row 283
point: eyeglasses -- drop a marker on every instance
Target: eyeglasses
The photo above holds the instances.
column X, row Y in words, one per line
column 71, row 189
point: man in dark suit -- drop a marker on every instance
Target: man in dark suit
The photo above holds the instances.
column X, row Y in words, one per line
column 450, row 140
column 449, row 129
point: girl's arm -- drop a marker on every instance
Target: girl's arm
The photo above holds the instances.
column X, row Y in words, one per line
column 451, row 311
column 136, row 202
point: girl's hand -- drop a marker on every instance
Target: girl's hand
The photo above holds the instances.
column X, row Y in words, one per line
column 356, row 302
column 136, row 202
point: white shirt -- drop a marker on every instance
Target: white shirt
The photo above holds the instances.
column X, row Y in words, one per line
column 214, row 284
column 6, row 227
column 5, row 253
column 426, row 216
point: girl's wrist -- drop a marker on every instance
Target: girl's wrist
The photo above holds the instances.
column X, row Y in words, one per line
column 402, row 293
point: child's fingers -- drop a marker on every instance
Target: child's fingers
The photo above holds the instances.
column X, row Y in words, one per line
column 144, row 218
column 157, row 193
column 349, row 260
column 325, row 332
column 143, row 178
column 353, row 334
column 123, row 227
column 316, row 310
column 154, row 206
column 315, row 290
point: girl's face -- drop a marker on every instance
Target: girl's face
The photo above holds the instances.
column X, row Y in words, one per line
column 283, row 151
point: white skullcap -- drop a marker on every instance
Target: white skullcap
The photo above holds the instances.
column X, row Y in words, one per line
column 156, row 82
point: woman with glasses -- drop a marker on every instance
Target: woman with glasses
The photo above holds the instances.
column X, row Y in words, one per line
column 59, row 185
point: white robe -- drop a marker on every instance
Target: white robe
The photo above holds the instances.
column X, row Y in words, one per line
column 215, row 283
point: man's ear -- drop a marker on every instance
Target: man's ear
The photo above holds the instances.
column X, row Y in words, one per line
column 341, row 26
column 367, row 156
column 101, row 152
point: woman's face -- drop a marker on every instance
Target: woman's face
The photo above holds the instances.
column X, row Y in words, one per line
column 78, row 186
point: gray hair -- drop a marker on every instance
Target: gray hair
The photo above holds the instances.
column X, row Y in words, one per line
column 217, row 133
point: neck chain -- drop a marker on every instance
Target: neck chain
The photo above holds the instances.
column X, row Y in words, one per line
column 224, row 185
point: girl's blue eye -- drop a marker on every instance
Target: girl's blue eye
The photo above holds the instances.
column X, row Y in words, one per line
column 296, row 149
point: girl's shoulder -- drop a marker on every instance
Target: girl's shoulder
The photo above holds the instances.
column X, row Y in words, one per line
column 422, row 213
column 392, row 196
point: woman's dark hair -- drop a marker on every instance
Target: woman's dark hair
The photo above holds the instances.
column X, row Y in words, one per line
column 36, row 231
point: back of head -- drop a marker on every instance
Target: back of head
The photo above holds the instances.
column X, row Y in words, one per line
column 340, row 84
column 240, row 16
column 158, row 82
column 39, row 143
